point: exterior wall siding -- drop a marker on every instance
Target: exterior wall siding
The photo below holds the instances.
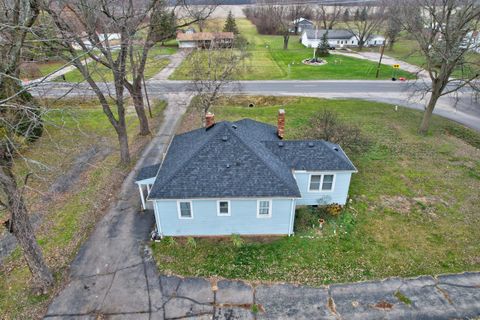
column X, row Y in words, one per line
column 339, row 193
column 187, row 44
column 242, row 220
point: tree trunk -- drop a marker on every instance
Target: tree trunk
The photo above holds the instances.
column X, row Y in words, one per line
column 285, row 41
column 123, row 142
column 23, row 231
column 390, row 44
column 427, row 115
column 360, row 45
column 140, row 110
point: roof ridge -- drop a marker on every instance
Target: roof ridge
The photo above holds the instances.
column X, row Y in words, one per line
column 324, row 143
column 262, row 160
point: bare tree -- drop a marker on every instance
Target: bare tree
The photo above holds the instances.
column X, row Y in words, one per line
column 162, row 26
column 370, row 18
column 393, row 28
column 295, row 12
column 213, row 70
column 87, row 25
column 20, row 120
column 444, row 33
column 328, row 16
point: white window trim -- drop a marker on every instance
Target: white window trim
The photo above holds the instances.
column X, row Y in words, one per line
column 179, row 212
column 321, row 182
column 229, row 209
column 263, row 216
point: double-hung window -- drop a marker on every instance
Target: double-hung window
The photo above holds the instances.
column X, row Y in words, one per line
column 321, row 182
column 185, row 210
column 264, row 208
column 223, row 208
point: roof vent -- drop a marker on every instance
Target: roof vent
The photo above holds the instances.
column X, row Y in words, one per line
column 228, row 165
column 224, row 138
column 234, row 126
column 336, row 149
column 280, row 144
column 310, row 144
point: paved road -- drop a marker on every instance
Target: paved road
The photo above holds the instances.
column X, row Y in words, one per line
column 461, row 109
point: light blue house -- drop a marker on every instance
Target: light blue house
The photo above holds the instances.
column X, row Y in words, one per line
column 241, row 178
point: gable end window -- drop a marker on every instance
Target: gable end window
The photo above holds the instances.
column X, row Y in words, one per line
column 185, row 210
column 264, row 208
column 321, row 182
column 223, row 208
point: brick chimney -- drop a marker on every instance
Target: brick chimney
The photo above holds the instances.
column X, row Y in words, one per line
column 281, row 123
column 209, row 120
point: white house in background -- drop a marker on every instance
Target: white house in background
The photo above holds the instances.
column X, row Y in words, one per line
column 471, row 41
column 113, row 39
column 301, row 24
column 337, row 38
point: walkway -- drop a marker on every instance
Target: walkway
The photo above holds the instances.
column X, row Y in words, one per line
column 176, row 60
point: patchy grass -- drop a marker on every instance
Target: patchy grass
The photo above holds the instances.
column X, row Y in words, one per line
column 402, row 298
column 268, row 60
column 73, row 128
column 156, row 61
column 413, row 210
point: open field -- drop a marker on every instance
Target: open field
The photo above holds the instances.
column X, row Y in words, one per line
column 79, row 179
column 413, row 210
column 268, row 60
column 157, row 60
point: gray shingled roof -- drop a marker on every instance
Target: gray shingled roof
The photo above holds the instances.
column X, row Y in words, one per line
column 148, row 172
column 227, row 160
column 332, row 34
column 240, row 159
column 315, row 155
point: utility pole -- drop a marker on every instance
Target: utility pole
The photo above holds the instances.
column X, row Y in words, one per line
column 382, row 49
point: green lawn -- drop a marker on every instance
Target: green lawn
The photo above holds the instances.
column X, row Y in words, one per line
column 155, row 63
column 269, row 61
column 413, row 210
column 408, row 50
column 72, row 128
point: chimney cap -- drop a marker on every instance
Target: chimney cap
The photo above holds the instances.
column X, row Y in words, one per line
column 281, row 111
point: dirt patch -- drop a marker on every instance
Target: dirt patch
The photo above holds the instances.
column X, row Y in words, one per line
column 384, row 305
column 398, row 204
column 404, row 205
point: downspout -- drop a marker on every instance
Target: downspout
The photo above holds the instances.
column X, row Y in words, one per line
column 292, row 211
column 159, row 223
column 141, row 196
